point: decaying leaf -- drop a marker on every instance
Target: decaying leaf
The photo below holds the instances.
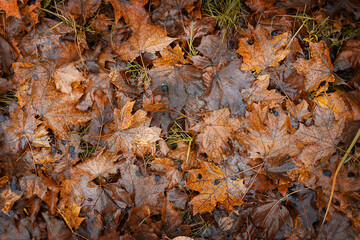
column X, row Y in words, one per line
column 214, row 187
column 263, row 50
column 318, row 71
column 8, row 197
column 146, row 38
column 214, row 132
column 130, row 133
column 71, row 216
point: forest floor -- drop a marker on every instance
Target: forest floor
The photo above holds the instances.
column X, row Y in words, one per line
column 191, row 119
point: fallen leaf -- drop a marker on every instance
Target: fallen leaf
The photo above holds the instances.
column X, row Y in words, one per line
column 33, row 185
column 318, row 71
column 259, row 93
column 272, row 216
column 67, row 77
column 176, row 84
column 11, row 8
column 8, row 197
column 146, row 38
column 71, row 217
column 214, row 187
column 225, row 88
column 170, row 56
column 263, row 50
column 266, row 135
column 98, row 166
column 130, row 133
column 214, row 131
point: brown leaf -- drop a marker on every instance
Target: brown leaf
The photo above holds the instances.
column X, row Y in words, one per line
column 67, row 77
column 98, row 166
column 318, row 71
column 170, row 56
column 33, row 185
column 263, row 50
column 145, row 190
column 225, row 88
column 214, row 132
column 214, row 187
column 146, row 38
column 56, row 110
column 8, row 197
column 71, row 216
column 11, row 8
column 349, row 56
column 21, row 129
column 319, row 141
column 130, row 133
column 82, row 8
column 266, row 134
column 176, row 84
column 259, row 93
column 272, row 216
column 48, row 36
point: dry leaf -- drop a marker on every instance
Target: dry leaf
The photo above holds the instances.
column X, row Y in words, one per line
column 214, row 187
column 263, row 50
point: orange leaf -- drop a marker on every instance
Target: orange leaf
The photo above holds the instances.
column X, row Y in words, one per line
column 214, row 187
column 71, row 216
column 10, row 7
column 264, row 50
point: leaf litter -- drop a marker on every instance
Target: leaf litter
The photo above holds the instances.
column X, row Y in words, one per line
column 179, row 120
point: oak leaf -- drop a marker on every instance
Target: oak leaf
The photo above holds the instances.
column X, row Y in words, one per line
column 264, row 50
column 215, row 130
column 318, row 71
column 214, row 187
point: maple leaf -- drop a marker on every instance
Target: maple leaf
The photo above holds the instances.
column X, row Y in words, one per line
column 8, row 197
column 20, row 130
column 71, row 216
column 318, row 71
column 131, row 11
column 56, row 110
column 67, row 77
column 263, row 51
column 130, row 133
column 11, row 8
column 146, row 38
column 214, row 187
column 33, row 185
column 214, row 132
column 145, row 190
column 226, row 86
column 266, row 134
column 177, row 83
column 320, row 139
column 170, row 56
column 100, row 165
column 272, row 216
column 259, row 93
